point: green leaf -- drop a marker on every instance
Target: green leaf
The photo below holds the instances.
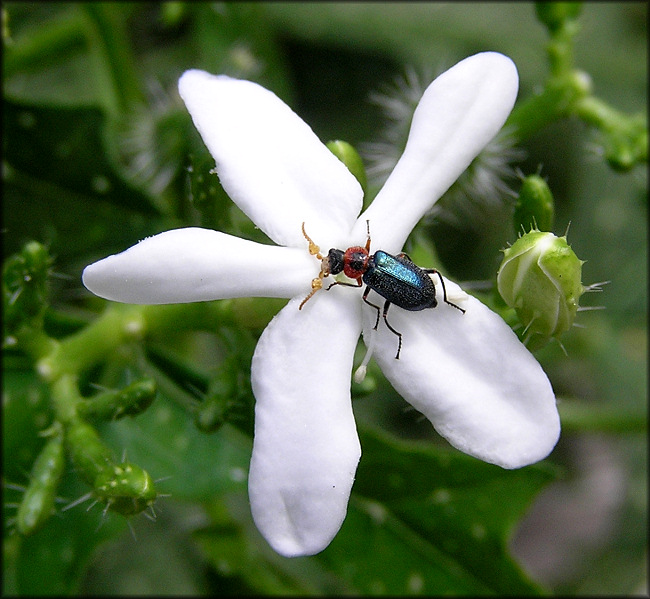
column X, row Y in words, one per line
column 424, row 520
column 165, row 441
column 64, row 147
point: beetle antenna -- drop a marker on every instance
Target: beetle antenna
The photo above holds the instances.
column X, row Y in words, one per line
column 314, row 250
column 316, row 283
column 311, row 293
column 368, row 230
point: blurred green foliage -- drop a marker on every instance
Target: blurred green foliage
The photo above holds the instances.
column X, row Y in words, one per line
column 99, row 152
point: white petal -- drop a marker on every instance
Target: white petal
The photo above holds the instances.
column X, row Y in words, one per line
column 270, row 162
column 472, row 378
column 459, row 113
column 194, row 265
column 306, row 447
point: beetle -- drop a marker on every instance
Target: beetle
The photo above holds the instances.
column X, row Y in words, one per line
column 396, row 278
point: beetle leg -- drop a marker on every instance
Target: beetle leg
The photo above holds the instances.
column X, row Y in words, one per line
column 399, row 347
column 358, row 284
column 444, row 289
column 365, row 299
column 385, row 311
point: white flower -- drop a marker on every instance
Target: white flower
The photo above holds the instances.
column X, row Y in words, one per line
column 467, row 373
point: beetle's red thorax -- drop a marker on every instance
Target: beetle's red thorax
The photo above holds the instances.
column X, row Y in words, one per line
column 355, row 262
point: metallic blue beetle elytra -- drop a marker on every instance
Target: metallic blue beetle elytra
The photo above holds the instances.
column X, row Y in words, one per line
column 396, row 278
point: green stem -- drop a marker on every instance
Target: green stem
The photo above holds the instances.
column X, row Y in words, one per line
column 625, row 137
column 35, row 342
column 564, row 85
column 83, row 349
column 579, row 416
column 599, row 114
column 558, row 100
column 65, row 396
column 560, row 48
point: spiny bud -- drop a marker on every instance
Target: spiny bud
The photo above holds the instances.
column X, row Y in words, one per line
column 541, row 278
column 125, row 488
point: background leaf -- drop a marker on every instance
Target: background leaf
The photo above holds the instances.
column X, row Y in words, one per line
column 446, row 514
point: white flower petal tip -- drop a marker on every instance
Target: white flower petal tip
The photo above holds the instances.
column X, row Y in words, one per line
column 306, row 448
column 474, row 380
column 309, row 520
column 460, row 112
column 270, row 162
column 193, row 265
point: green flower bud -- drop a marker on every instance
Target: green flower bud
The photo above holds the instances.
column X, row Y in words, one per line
column 37, row 504
column 125, row 488
column 627, row 145
column 350, row 157
column 87, row 452
column 24, row 285
column 540, row 277
column 113, row 405
column 555, row 14
column 535, row 207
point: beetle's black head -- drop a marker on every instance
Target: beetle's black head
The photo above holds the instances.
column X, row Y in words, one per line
column 335, row 261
